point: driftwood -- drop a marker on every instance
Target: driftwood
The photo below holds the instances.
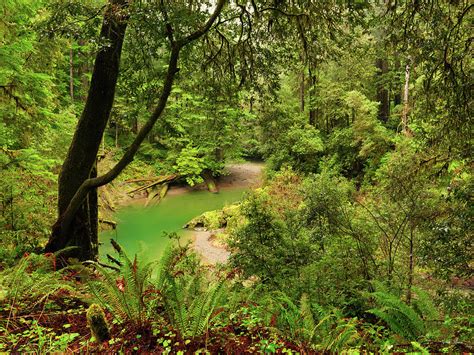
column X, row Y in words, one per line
column 157, row 195
column 113, row 224
column 113, row 260
column 158, row 181
column 116, row 246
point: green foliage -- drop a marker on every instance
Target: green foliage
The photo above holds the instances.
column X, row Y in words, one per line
column 408, row 321
column 351, row 200
column 311, row 324
column 189, row 165
column 124, row 293
column 32, row 282
column 40, row 339
column 191, row 301
column 268, row 246
column 448, row 244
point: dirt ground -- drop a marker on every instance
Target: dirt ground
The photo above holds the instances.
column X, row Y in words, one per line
column 238, row 175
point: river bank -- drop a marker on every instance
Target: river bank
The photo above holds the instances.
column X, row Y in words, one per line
column 249, row 175
column 141, row 230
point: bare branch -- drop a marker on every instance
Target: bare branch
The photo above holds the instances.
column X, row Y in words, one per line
column 207, row 26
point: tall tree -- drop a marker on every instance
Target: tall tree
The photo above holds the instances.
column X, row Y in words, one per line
column 76, row 225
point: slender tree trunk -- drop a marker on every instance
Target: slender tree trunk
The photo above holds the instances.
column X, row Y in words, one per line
column 397, row 97
column 71, row 75
column 406, row 107
column 302, row 91
column 382, row 92
column 411, row 268
column 79, row 164
column 312, row 95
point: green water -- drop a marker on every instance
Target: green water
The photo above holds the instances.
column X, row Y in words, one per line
column 140, row 230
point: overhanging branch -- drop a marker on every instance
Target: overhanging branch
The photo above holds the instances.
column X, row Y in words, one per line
column 67, row 217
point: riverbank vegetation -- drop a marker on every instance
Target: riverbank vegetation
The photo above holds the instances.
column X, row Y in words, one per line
column 358, row 239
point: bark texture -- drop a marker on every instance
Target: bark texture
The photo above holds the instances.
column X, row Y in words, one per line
column 79, row 164
column 77, row 224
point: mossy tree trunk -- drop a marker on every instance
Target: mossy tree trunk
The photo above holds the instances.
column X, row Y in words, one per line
column 80, row 162
column 78, row 182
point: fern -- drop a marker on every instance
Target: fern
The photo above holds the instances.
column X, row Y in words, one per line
column 24, row 289
column 311, row 324
column 307, row 317
column 189, row 304
column 190, row 300
column 423, row 304
column 32, row 287
column 123, row 293
column 401, row 318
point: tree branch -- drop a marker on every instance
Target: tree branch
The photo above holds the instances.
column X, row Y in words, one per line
column 207, row 26
column 67, row 217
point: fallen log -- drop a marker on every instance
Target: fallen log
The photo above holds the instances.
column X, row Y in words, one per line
column 160, row 180
column 109, row 222
column 157, row 195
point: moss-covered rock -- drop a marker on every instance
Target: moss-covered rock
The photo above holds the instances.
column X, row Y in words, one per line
column 214, row 219
column 97, row 323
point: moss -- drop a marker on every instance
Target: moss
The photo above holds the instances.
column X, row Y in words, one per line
column 97, row 323
column 215, row 219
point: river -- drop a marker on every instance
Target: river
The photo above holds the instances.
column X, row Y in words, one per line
column 141, row 230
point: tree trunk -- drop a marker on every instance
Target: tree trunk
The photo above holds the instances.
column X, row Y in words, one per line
column 406, row 107
column 79, row 164
column 302, row 91
column 77, row 202
column 312, row 96
column 382, row 92
column 397, row 96
column 71, row 74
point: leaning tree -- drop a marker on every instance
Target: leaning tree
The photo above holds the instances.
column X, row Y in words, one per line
column 77, row 224
column 254, row 30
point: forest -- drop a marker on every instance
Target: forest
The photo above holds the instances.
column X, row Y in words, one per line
column 236, row 176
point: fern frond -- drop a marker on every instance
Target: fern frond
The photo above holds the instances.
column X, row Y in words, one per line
column 401, row 318
column 123, row 292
